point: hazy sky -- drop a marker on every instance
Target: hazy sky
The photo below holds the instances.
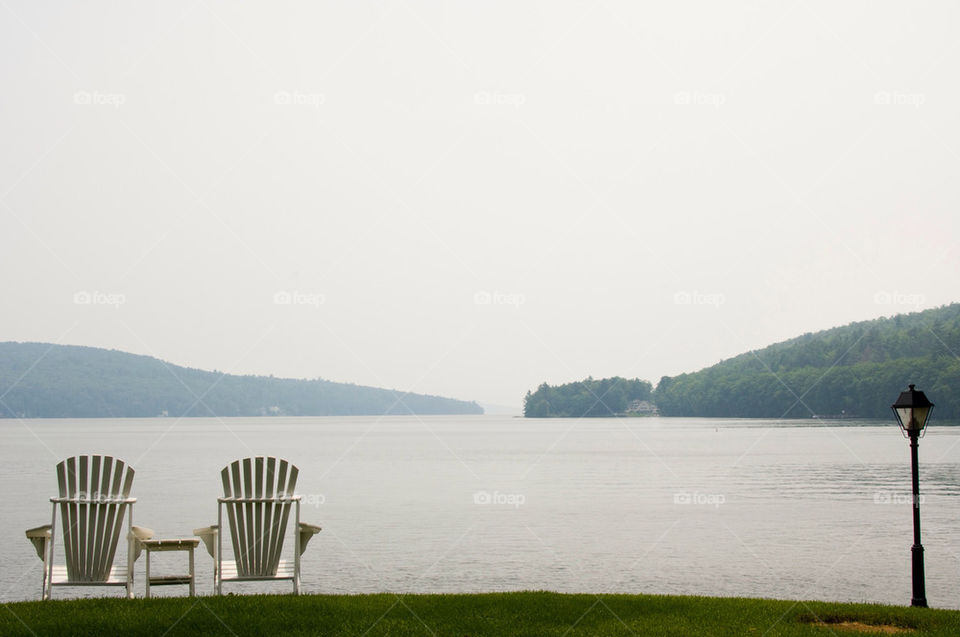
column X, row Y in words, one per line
column 471, row 198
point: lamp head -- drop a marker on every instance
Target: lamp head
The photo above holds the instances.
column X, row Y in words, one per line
column 912, row 410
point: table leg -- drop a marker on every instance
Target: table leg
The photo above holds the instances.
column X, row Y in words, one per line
column 191, row 573
column 147, row 551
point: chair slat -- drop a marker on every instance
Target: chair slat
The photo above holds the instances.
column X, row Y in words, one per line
column 257, row 552
column 248, row 515
column 71, row 477
column 63, row 482
column 276, row 532
column 285, row 570
column 288, row 488
column 94, row 541
column 240, row 539
column 106, row 471
column 110, row 512
column 127, row 481
column 231, row 518
column 292, row 483
column 115, row 512
column 71, row 523
column 82, row 511
column 268, row 513
column 228, row 491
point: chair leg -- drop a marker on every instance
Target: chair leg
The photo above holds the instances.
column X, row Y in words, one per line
column 47, row 589
column 130, row 575
column 43, row 584
column 48, row 562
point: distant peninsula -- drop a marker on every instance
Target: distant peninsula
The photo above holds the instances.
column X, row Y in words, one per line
column 854, row 371
column 43, row 380
column 590, row 399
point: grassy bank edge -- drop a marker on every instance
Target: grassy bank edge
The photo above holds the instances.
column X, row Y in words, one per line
column 526, row 613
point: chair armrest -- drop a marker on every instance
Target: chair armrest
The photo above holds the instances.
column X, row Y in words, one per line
column 137, row 535
column 209, row 536
column 38, row 537
column 141, row 533
column 307, row 531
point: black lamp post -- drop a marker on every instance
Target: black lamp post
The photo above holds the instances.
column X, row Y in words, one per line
column 913, row 409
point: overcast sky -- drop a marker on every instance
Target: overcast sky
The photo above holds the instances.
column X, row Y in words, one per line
column 471, row 198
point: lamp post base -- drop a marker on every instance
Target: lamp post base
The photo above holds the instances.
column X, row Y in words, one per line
column 919, row 589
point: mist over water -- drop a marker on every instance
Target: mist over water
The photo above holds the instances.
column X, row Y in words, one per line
column 799, row 510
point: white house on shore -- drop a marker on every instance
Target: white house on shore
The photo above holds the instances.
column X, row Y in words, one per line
column 642, row 408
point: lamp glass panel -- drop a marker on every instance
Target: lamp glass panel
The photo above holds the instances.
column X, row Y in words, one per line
column 920, row 414
column 905, row 415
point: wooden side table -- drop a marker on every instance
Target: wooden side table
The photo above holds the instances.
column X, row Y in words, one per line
column 180, row 544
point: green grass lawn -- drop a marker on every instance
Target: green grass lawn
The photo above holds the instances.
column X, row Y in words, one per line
column 493, row 614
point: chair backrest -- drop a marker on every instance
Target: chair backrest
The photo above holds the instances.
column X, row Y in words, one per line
column 94, row 493
column 258, row 524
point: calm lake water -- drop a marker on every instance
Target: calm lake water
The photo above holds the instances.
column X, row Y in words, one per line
column 800, row 510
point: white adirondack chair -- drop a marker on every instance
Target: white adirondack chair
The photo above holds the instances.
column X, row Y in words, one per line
column 257, row 495
column 94, row 497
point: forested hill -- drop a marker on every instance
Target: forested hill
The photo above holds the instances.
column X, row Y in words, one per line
column 857, row 370
column 40, row 380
